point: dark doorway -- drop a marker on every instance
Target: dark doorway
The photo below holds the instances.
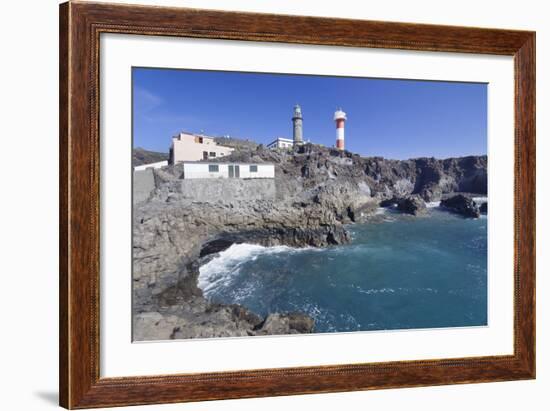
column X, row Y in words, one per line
column 234, row 171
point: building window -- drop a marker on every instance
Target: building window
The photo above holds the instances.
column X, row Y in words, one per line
column 254, row 169
column 198, row 140
column 212, row 154
column 213, row 168
column 205, row 155
column 222, row 154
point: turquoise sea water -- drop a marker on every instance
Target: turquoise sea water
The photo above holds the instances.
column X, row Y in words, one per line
column 399, row 273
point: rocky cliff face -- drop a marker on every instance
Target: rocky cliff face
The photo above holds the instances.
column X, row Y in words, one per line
column 317, row 191
column 172, row 238
column 311, row 169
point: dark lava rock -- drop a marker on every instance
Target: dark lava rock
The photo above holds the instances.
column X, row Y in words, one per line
column 242, row 314
column 215, row 246
column 301, row 323
column 412, row 205
column 317, row 191
column 293, row 323
column 483, row 208
column 461, row 204
column 431, row 192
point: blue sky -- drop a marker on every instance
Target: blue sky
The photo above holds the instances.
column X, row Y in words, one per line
column 390, row 118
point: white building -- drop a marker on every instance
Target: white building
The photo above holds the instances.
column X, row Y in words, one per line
column 195, row 147
column 227, row 170
column 281, row 143
column 158, row 164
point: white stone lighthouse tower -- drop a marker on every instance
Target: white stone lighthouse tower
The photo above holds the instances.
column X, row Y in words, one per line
column 340, row 118
column 297, row 125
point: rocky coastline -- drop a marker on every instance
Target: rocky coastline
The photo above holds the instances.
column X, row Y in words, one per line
column 317, row 192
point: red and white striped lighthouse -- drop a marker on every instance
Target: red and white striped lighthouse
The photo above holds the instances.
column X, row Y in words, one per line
column 340, row 118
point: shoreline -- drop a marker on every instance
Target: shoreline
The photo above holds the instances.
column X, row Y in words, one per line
column 227, row 274
column 188, row 291
column 316, row 192
column 251, row 249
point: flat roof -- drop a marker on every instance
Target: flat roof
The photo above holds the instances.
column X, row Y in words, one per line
column 225, row 163
column 194, row 135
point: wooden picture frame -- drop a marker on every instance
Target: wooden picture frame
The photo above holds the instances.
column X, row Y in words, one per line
column 80, row 27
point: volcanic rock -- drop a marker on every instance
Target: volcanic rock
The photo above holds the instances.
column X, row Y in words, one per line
column 294, row 323
column 412, row 205
column 316, row 191
column 483, row 208
column 461, row 204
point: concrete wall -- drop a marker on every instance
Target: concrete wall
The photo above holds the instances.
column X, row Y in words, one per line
column 226, row 190
column 212, row 189
column 201, row 170
column 158, row 164
column 144, row 183
column 186, row 148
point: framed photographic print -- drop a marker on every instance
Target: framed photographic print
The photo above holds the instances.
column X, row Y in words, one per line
column 258, row 205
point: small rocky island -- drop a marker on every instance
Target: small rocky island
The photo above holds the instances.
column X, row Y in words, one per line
column 178, row 225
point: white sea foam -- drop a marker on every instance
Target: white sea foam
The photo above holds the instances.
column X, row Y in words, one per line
column 386, row 213
column 378, row 290
column 480, row 200
column 433, row 204
column 220, row 270
column 374, row 290
column 389, row 290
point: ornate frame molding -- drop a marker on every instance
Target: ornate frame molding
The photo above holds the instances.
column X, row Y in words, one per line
column 81, row 24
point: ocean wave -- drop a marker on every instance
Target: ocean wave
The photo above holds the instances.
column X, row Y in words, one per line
column 480, row 200
column 433, row 204
column 376, row 290
column 220, row 271
column 384, row 214
column 401, row 290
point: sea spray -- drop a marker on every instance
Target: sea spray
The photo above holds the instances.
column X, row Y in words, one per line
column 433, row 204
column 219, row 270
